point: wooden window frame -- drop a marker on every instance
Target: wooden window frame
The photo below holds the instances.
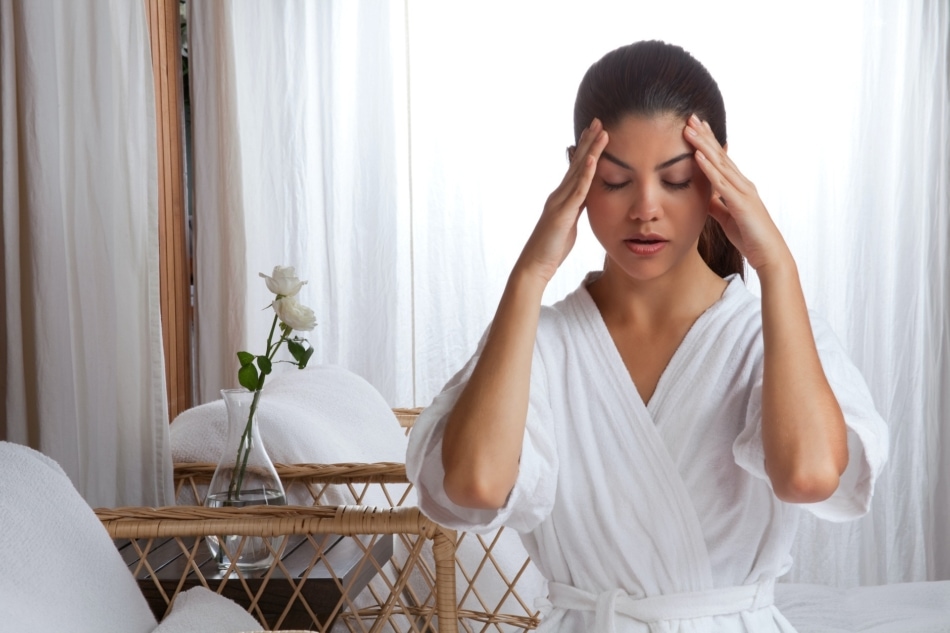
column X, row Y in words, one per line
column 164, row 26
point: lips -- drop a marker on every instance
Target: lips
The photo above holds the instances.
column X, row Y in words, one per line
column 648, row 244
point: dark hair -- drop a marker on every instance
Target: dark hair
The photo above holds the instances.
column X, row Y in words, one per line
column 650, row 78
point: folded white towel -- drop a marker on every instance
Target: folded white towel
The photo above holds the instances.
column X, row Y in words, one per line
column 324, row 414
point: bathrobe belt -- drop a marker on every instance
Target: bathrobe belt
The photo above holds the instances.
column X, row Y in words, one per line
column 677, row 606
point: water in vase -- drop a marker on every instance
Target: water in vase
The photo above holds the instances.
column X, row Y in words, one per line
column 257, row 551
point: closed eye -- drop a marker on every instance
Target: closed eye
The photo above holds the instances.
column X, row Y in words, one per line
column 615, row 186
column 677, row 186
column 674, row 186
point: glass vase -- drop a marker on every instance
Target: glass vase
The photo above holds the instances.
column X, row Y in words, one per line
column 245, row 476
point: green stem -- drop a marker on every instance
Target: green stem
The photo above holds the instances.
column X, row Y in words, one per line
column 270, row 337
column 244, row 447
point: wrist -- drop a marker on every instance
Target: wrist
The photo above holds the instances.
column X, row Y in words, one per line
column 528, row 279
column 778, row 268
column 529, row 271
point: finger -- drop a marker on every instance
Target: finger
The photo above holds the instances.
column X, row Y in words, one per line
column 725, row 162
column 723, row 190
column 590, row 134
column 577, row 188
column 700, row 134
column 575, row 154
column 597, row 145
column 706, row 147
column 589, row 137
column 581, row 172
column 596, row 148
column 725, row 177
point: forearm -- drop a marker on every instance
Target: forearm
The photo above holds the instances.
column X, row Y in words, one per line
column 803, row 432
column 484, row 432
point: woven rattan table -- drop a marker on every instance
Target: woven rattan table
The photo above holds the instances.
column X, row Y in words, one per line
column 342, row 565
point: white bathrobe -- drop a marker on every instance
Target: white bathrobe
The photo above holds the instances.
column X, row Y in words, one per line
column 654, row 517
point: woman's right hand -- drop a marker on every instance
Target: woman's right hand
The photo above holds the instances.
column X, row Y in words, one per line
column 556, row 231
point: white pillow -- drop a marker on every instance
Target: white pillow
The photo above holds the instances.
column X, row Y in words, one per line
column 60, row 569
column 200, row 610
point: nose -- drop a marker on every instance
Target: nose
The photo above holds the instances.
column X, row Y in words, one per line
column 645, row 205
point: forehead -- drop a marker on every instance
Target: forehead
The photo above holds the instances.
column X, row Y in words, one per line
column 638, row 139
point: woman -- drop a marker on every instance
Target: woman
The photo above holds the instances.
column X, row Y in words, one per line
column 653, row 435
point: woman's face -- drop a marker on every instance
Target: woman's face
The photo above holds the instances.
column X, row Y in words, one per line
column 648, row 202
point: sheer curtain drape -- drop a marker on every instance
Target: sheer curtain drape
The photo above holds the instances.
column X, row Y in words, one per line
column 83, row 378
column 441, row 128
column 883, row 276
column 300, row 148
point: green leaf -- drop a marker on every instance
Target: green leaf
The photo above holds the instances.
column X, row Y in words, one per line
column 264, row 363
column 296, row 349
column 306, row 358
column 246, row 358
column 247, row 376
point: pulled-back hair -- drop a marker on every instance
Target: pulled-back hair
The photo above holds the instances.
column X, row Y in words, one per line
column 652, row 78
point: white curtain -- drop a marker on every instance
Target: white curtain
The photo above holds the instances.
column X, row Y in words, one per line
column 300, row 127
column 441, row 128
column 83, row 376
column 883, row 275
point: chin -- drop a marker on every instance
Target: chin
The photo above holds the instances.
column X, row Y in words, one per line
column 641, row 273
column 645, row 270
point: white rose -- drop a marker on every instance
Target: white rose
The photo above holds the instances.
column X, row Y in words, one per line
column 294, row 314
column 284, row 281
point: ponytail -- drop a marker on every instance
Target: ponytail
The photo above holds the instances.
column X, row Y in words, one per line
column 718, row 252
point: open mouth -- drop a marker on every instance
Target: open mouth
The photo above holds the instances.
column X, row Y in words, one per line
column 645, row 245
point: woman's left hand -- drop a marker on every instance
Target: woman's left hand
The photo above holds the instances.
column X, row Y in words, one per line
column 735, row 203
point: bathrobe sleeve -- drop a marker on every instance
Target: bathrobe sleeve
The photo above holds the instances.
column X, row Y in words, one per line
column 532, row 497
column 867, row 432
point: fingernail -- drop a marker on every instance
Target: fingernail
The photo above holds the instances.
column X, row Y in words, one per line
column 690, row 131
column 694, row 119
column 594, row 123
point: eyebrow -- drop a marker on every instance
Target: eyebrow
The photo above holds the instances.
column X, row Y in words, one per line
column 662, row 165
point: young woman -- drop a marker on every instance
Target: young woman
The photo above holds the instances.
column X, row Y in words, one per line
column 655, row 434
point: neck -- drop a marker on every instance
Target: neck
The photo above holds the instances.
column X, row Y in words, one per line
column 683, row 292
